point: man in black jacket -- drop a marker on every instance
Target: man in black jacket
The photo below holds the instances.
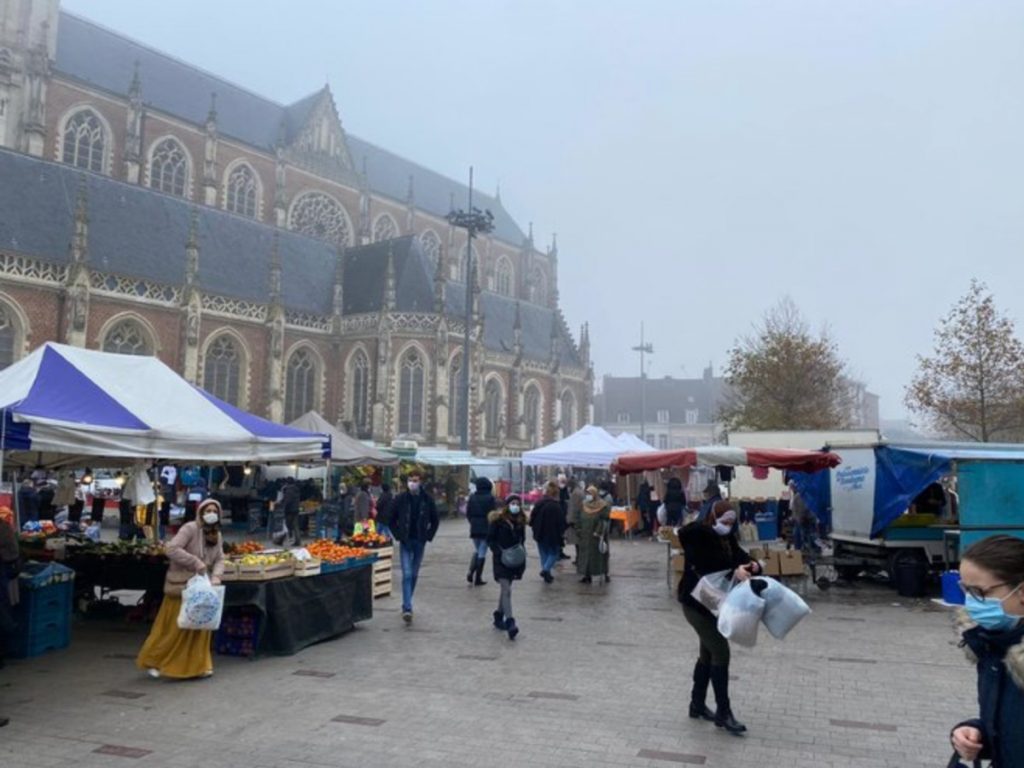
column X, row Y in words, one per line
column 414, row 522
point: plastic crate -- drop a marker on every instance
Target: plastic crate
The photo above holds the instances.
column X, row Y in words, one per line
column 239, row 632
column 36, row 575
column 38, row 606
column 27, row 642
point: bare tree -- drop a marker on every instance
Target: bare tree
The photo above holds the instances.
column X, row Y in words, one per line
column 972, row 386
column 784, row 377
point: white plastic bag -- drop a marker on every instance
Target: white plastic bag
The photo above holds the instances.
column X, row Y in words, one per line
column 202, row 604
column 740, row 614
column 783, row 608
column 712, row 589
column 662, row 515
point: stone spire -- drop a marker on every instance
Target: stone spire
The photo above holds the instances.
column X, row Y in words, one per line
column 339, row 281
column 389, row 282
column 192, row 249
column 497, row 193
column 133, row 129
column 439, row 281
column 77, row 286
column 280, row 176
column 210, row 154
column 517, row 331
column 191, row 301
column 365, row 233
column 79, row 248
column 410, row 206
column 585, row 344
column 274, row 287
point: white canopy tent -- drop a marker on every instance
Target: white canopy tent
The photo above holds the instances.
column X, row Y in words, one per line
column 633, row 444
column 591, row 448
column 345, row 450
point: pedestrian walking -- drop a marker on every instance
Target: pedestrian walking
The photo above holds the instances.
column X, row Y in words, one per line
column 196, row 549
column 992, row 576
column 363, row 502
column 548, row 528
column 413, row 523
column 565, row 487
column 507, row 540
column 592, row 536
column 643, row 503
column 712, row 494
column 708, row 547
column 291, row 504
column 478, row 508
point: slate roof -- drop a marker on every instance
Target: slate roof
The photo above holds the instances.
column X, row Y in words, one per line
column 366, row 277
column 105, row 59
column 623, row 395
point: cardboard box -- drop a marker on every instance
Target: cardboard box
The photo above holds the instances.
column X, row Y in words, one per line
column 791, row 563
column 677, row 576
column 772, row 565
column 668, row 533
column 756, row 553
column 678, row 563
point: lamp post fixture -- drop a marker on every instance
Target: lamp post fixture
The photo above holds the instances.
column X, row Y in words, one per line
column 643, row 349
column 474, row 221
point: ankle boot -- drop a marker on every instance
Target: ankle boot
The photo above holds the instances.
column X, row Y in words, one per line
column 510, row 626
column 472, row 569
column 723, row 714
column 499, row 620
column 699, row 710
column 478, row 581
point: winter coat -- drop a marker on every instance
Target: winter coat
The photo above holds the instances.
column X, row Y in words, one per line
column 290, row 497
column 502, row 534
column 479, row 506
column 590, row 529
column 186, row 552
column 402, row 509
column 706, row 552
column 1000, row 660
column 675, row 502
column 362, row 504
column 547, row 523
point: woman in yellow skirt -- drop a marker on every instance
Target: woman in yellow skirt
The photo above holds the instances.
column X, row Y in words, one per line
column 185, row 653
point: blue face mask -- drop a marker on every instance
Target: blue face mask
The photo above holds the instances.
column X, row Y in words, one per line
column 989, row 613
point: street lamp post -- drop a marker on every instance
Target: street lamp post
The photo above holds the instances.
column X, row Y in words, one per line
column 643, row 349
column 473, row 220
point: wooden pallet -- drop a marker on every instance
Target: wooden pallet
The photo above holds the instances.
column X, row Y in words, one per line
column 382, row 571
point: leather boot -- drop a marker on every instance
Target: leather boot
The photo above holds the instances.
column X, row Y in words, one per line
column 511, row 628
column 699, row 710
column 472, row 569
column 723, row 714
column 499, row 620
column 478, row 581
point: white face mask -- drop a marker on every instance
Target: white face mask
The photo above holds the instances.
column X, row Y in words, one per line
column 722, row 529
column 413, row 487
column 211, row 518
column 513, row 509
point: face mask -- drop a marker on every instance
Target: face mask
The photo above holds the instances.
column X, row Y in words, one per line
column 722, row 529
column 989, row 613
column 513, row 509
column 588, row 497
column 413, row 487
column 211, row 518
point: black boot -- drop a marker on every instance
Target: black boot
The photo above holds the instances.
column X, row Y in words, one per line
column 701, row 677
column 472, row 569
column 723, row 713
column 513, row 630
column 499, row 620
column 478, row 581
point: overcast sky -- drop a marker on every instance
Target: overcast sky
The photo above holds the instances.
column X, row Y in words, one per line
column 698, row 160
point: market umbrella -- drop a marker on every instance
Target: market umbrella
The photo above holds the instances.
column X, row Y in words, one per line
column 718, row 455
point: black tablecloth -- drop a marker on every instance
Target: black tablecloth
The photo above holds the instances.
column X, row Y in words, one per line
column 297, row 612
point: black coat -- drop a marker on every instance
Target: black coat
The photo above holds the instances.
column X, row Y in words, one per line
column 479, row 506
column 401, row 516
column 547, row 522
column 706, row 552
column 675, row 504
column 1000, row 658
column 502, row 535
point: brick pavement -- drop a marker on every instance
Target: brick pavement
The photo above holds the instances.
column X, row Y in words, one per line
column 598, row 677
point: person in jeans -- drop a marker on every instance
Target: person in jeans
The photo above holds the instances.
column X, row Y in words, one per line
column 291, row 497
column 548, row 528
column 413, row 523
column 507, row 531
column 479, row 506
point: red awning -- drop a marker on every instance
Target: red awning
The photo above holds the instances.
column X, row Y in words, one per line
column 714, row 455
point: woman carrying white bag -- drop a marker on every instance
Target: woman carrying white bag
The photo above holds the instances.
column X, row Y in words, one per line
column 197, row 550
column 709, row 546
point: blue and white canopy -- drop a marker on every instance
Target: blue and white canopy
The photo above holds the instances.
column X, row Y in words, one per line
column 63, row 405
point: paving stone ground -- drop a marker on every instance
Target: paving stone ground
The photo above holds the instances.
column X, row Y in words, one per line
column 598, row 677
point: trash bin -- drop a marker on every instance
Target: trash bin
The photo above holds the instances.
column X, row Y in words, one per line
column 911, row 578
column 951, row 592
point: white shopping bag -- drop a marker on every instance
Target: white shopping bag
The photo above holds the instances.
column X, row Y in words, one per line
column 202, row 604
column 712, row 589
column 783, row 608
column 740, row 614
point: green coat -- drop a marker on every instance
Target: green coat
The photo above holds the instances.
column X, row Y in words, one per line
column 589, row 560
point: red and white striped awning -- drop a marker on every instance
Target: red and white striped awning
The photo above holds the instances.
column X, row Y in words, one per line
column 718, row 455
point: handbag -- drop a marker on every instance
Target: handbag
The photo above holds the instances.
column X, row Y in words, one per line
column 514, row 556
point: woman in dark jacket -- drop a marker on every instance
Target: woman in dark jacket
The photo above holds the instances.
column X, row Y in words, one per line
column 675, row 502
column 479, row 506
column 506, row 538
column 548, row 526
column 992, row 575
column 708, row 547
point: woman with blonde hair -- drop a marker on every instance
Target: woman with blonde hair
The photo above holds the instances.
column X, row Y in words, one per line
column 196, row 549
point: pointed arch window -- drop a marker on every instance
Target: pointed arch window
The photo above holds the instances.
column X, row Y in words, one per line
column 492, row 410
column 503, row 278
column 128, row 337
column 9, row 336
column 85, row 141
column 531, row 414
column 455, row 397
column 384, row 228
column 538, row 287
column 431, row 245
column 241, row 193
column 300, row 387
column 568, row 413
column 459, row 267
column 410, row 395
column 361, row 394
column 168, row 168
column 222, row 370
column 319, row 215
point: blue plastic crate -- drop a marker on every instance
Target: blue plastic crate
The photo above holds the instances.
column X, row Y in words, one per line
column 47, row 603
column 29, row 642
column 37, row 575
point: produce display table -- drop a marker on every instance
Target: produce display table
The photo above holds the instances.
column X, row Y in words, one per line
column 630, row 518
column 298, row 612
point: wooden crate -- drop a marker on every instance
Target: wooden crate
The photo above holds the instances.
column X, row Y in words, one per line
column 237, row 572
column 309, row 567
column 382, row 571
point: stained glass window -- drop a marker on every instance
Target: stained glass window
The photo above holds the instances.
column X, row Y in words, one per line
column 85, row 141
column 410, row 395
column 431, row 245
column 300, row 385
column 128, row 337
column 384, row 228
column 503, row 278
column 492, row 410
column 241, row 191
column 531, row 408
column 222, row 370
column 168, row 168
column 8, row 337
column 361, row 393
column 319, row 215
column 568, row 413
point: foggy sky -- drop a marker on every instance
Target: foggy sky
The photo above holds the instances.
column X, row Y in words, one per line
column 698, row 160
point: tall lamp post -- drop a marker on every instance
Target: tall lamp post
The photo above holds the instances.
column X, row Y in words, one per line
column 474, row 221
column 643, row 349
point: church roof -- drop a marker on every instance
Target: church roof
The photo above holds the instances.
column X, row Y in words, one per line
column 105, row 59
column 137, row 232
